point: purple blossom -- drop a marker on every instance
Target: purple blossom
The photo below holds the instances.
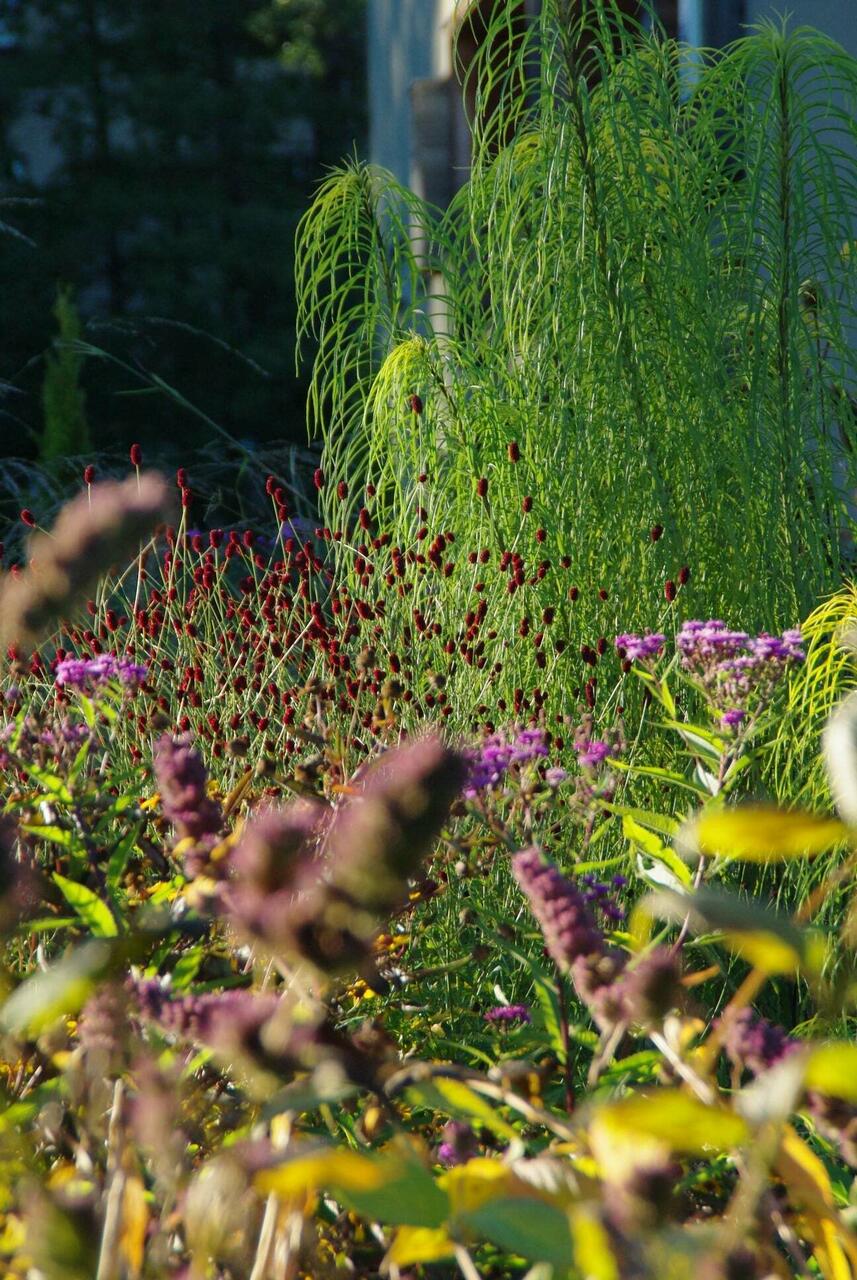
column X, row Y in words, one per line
column 699, row 642
column 507, row 1013
column 458, row 1144
column 592, row 752
column 491, row 760
column 732, row 718
column 756, row 1043
column 82, row 673
column 183, row 783
column 563, row 914
column 640, row 648
column 600, row 898
column 778, row 649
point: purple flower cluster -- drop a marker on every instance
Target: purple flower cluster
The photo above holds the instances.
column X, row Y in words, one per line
column 508, row 1013
column 458, row 1144
column 640, row 648
column 83, row 673
column 756, row 1044
column 592, row 752
column 489, row 763
column 206, row 1018
column 700, row 642
column 734, row 669
column 601, row 897
column 183, row 783
column 564, row 915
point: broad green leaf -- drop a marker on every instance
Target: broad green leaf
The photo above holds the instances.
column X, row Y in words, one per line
column 120, row 855
column 676, row 1119
column 662, row 823
column 762, row 833
column 186, row 968
column 61, row 990
column 454, row 1098
column 661, row 775
column 94, row 913
column 700, row 740
column 537, row 1231
column 50, row 782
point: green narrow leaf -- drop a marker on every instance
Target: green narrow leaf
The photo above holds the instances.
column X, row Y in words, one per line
column 94, row 913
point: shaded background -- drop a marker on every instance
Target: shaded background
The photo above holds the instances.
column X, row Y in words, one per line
column 169, row 148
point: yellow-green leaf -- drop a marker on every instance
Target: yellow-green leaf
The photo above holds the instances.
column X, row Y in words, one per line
column 832, row 1068
column 593, row 1257
column 328, row 1167
column 456, row 1099
column 387, row 1187
column 655, row 848
column 762, row 833
column 94, row 913
column 419, row 1244
column 676, row 1119
column 59, row 991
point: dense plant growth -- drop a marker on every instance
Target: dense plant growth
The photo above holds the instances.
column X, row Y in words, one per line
column 428, row 885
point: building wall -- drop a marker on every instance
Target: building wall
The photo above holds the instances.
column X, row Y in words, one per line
column 414, row 104
column 836, row 18
column 408, row 41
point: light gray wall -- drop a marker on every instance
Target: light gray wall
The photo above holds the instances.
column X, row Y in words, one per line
column 402, row 36
column 836, row 18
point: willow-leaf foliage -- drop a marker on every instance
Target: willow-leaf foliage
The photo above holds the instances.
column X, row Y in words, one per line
column 648, row 283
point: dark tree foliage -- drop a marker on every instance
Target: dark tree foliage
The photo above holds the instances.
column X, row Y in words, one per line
column 172, row 146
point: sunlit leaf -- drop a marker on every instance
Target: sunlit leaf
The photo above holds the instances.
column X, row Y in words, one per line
column 135, row 1220
column 419, row 1244
column 832, row 1068
column 473, row 1184
column 676, row 1119
column 654, row 848
column 94, row 913
column 454, row 1098
column 386, row 1188
column 749, row 928
column 593, row 1257
column 52, row 993
column 762, row 833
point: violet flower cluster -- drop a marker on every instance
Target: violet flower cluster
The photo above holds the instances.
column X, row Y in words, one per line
column 489, row 763
column 640, row 648
column 83, row 673
column 754, row 1044
column 736, row 672
column 507, row 1014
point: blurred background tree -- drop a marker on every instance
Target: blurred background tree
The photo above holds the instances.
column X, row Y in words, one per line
column 172, row 147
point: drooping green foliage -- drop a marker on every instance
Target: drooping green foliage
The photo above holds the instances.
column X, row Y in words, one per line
column 646, row 285
column 66, row 430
